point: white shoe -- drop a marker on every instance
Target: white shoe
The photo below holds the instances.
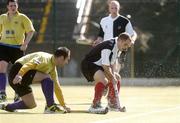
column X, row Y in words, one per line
column 121, row 109
column 114, row 107
column 98, row 110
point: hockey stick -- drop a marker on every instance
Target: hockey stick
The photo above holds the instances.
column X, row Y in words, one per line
column 123, row 109
column 116, row 94
column 79, row 111
column 104, row 111
column 86, row 111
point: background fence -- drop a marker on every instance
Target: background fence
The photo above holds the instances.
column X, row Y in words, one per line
column 156, row 52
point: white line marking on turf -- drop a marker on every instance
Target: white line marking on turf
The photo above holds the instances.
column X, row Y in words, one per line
column 112, row 120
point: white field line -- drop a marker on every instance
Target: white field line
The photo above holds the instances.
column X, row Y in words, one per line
column 113, row 120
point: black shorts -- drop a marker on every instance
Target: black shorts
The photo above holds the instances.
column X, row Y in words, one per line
column 10, row 54
column 89, row 69
column 23, row 88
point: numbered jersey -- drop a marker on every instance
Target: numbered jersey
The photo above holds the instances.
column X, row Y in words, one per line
column 13, row 31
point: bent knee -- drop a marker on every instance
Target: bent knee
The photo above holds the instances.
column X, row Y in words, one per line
column 3, row 66
column 102, row 80
column 40, row 76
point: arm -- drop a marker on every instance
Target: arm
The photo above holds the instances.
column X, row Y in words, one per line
column 100, row 37
column 134, row 37
column 29, row 29
column 59, row 96
column 57, row 90
column 26, row 67
column 108, row 69
column 27, row 40
column 131, row 32
column 29, row 65
column 97, row 41
column 108, row 73
column 58, row 93
column 101, row 32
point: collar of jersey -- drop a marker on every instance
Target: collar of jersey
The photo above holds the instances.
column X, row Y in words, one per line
column 113, row 18
column 17, row 13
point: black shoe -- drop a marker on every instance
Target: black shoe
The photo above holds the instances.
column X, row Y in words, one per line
column 53, row 109
column 3, row 107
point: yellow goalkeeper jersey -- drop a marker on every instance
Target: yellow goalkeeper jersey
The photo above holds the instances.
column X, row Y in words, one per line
column 42, row 62
column 13, row 31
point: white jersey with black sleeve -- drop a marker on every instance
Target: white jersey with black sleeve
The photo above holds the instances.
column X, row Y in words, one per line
column 112, row 27
column 104, row 53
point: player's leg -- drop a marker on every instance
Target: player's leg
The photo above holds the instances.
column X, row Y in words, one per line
column 111, row 97
column 23, row 90
column 100, row 83
column 47, row 86
column 89, row 70
column 3, row 79
column 95, row 73
column 4, row 60
column 111, row 93
column 16, row 53
column 27, row 100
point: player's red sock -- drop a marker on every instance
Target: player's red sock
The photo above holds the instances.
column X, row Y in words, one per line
column 111, row 94
column 99, row 88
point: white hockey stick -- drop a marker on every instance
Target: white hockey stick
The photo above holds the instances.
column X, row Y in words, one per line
column 119, row 108
column 116, row 94
column 104, row 111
